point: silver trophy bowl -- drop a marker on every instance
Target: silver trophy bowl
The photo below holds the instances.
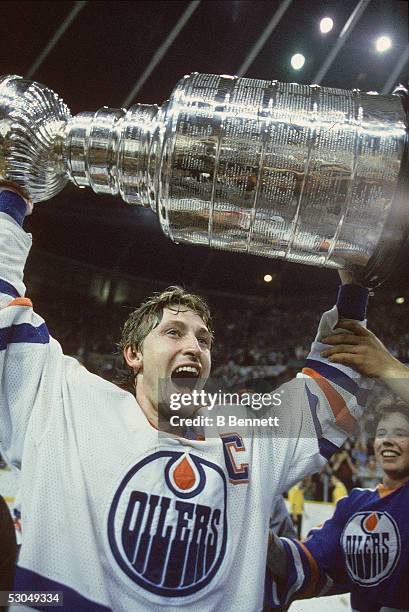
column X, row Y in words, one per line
column 308, row 174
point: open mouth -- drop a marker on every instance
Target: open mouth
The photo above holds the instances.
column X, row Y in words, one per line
column 185, row 377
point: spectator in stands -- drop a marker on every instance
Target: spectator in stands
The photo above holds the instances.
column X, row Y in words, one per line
column 339, row 489
column 343, row 467
column 296, row 500
column 359, row 453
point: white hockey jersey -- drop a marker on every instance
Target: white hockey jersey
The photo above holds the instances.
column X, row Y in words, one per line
column 122, row 518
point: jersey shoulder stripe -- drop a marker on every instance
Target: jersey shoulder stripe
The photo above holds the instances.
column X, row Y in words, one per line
column 23, row 333
column 8, row 289
column 338, row 377
column 325, row 446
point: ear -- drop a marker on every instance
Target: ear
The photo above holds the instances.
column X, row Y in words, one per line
column 133, row 358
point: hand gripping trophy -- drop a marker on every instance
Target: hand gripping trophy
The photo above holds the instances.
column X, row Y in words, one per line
column 310, row 174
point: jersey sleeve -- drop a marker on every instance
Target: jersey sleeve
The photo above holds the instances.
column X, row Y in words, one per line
column 315, row 567
column 24, row 339
column 326, row 398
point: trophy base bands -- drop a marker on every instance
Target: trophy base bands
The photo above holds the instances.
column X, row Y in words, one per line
column 31, row 598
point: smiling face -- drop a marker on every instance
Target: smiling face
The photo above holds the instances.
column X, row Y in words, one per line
column 392, row 446
column 174, row 358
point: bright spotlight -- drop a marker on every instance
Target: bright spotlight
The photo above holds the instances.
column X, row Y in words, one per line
column 268, row 278
column 400, row 300
column 297, row 61
column 326, row 25
column 383, row 43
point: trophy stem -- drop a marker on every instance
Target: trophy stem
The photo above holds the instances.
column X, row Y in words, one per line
column 113, row 151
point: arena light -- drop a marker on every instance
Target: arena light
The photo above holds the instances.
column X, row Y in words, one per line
column 383, row 43
column 393, row 77
column 326, row 25
column 343, row 36
column 268, row 278
column 297, row 61
column 400, row 300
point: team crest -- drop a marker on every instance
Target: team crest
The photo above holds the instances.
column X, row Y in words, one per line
column 167, row 526
column 371, row 543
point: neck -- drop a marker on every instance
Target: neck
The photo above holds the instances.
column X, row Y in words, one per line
column 394, row 481
column 151, row 413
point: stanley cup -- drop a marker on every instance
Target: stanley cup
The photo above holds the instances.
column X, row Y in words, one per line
column 308, row 174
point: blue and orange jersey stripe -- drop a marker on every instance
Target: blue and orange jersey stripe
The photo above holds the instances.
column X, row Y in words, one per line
column 337, row 403
column 340, row 378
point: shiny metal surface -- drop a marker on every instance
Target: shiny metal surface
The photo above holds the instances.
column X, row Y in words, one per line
column 303, row 173
column 32, row 119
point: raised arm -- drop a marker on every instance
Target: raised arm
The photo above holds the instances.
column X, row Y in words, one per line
column 24, row 337
column 327, row 398
column 362, row 350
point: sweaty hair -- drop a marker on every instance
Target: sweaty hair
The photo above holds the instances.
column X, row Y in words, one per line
column 148, row 316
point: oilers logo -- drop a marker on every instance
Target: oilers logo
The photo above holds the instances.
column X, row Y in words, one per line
column 371, row 544
column 167, row 525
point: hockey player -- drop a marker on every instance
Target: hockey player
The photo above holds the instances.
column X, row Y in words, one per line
column 120, row 516
column 364, row 548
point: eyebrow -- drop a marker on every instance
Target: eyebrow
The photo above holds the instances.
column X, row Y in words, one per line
column 178, row 323
column 396, row 429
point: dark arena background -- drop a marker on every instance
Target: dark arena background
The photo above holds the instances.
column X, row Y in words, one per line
column 95, row 258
